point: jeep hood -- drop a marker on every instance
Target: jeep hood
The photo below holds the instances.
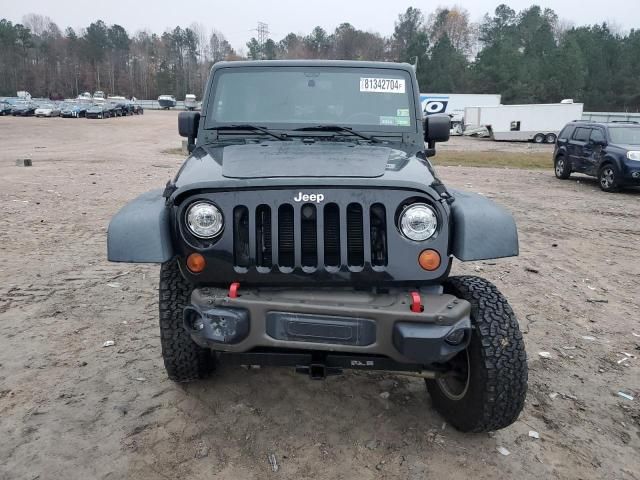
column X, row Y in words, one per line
column 280, row 164
column 297, row 159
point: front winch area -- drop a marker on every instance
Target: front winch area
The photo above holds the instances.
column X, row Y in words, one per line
column 421, row 326
column 219, row 325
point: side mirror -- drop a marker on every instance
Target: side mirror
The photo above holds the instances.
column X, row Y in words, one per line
column 188, row 123
column 600, row 143
column 436, row 129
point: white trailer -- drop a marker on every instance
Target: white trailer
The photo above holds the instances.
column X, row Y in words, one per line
column 521, row 123
column 454, row 104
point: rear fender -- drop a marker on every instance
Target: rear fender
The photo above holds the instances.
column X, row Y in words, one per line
column 481, row 228
column 140, row 232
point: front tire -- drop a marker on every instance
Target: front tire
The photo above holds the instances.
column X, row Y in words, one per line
column 562, row 167
column 608, row 178
column 184, row 360
column 489, row 388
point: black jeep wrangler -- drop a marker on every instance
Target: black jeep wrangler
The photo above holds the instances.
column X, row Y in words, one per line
column 308, row 228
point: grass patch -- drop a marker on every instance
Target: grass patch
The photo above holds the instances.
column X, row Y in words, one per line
column 527, row 161
column 173, row 151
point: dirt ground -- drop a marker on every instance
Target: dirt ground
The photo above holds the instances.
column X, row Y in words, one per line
column 73, row 409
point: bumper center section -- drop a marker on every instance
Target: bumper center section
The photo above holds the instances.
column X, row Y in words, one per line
column 320, row 329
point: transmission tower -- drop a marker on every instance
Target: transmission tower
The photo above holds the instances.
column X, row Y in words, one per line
column 263, row 35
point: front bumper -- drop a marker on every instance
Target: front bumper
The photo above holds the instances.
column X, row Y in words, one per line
column 332, row 320
column 631, row 173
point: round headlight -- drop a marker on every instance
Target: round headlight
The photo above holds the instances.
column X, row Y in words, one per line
column 418, row 222
column 204, row 220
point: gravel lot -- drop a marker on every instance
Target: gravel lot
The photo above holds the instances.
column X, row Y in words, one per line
column 71, row 408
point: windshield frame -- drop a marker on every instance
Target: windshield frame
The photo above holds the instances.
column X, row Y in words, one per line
column 366, row 70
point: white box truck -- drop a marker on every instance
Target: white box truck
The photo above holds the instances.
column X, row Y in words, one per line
column 454, row 104
column 540, row 123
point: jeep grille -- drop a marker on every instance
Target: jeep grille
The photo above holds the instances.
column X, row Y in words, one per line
column 310, row 236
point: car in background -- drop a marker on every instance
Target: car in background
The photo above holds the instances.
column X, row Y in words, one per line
column 137, row 108
column 5, row 108
column 47, row 110
column 73, row 109
column 99, row 96
column 167, row 101
column 115, row 109
column 608, row 151
column 190, row 102
column 98, row 110
column 126, row 106
column 24, row 108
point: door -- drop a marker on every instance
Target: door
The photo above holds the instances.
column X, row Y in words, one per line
column 593, row 151
column 576, row 148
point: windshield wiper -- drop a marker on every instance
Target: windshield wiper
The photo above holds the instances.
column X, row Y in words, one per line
column 338, row 129
column 254, row 128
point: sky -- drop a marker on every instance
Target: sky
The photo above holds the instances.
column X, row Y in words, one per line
column 237, row 20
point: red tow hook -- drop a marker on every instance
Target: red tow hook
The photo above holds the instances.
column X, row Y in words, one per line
column 233, row 290
column 416, row 302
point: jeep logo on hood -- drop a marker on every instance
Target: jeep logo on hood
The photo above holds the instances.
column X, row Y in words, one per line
column 309, row 197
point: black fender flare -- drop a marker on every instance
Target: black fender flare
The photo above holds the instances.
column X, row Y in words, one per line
column 141, row 231
column 481, row 229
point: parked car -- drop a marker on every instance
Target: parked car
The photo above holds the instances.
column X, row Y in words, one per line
column 608, row 151
column 5, row 108
column 115, row 109
column 137, row 109
column 24, row 108
column 324, row 242
column 190, row 102
column 73, row 109
column 167, row 101
column 98, row 110
column 47, row 110
column 122, row 105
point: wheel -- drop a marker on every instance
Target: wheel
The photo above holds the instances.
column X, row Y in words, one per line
column 488, row 384
column 539, row 138
column 550, row 138
column 562, row 167
column 184, row 360
column 608, row 178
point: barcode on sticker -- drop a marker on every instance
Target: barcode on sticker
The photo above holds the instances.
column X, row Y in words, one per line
column 382, row 85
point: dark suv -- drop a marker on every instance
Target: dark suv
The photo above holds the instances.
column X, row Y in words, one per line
column 608, row 151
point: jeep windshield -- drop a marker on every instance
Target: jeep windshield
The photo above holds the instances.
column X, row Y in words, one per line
column 625, row 135
column 305, row 98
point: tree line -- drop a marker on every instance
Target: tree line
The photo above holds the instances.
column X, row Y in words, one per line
column 529, row 56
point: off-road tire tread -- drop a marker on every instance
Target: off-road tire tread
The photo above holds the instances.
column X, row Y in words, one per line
column 504, row 372
column 184, row 360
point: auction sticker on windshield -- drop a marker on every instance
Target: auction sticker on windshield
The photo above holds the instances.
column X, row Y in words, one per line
column 382, row 85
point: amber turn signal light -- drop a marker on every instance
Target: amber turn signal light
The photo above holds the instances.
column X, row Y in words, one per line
column 429, row 260
column 196, row 263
